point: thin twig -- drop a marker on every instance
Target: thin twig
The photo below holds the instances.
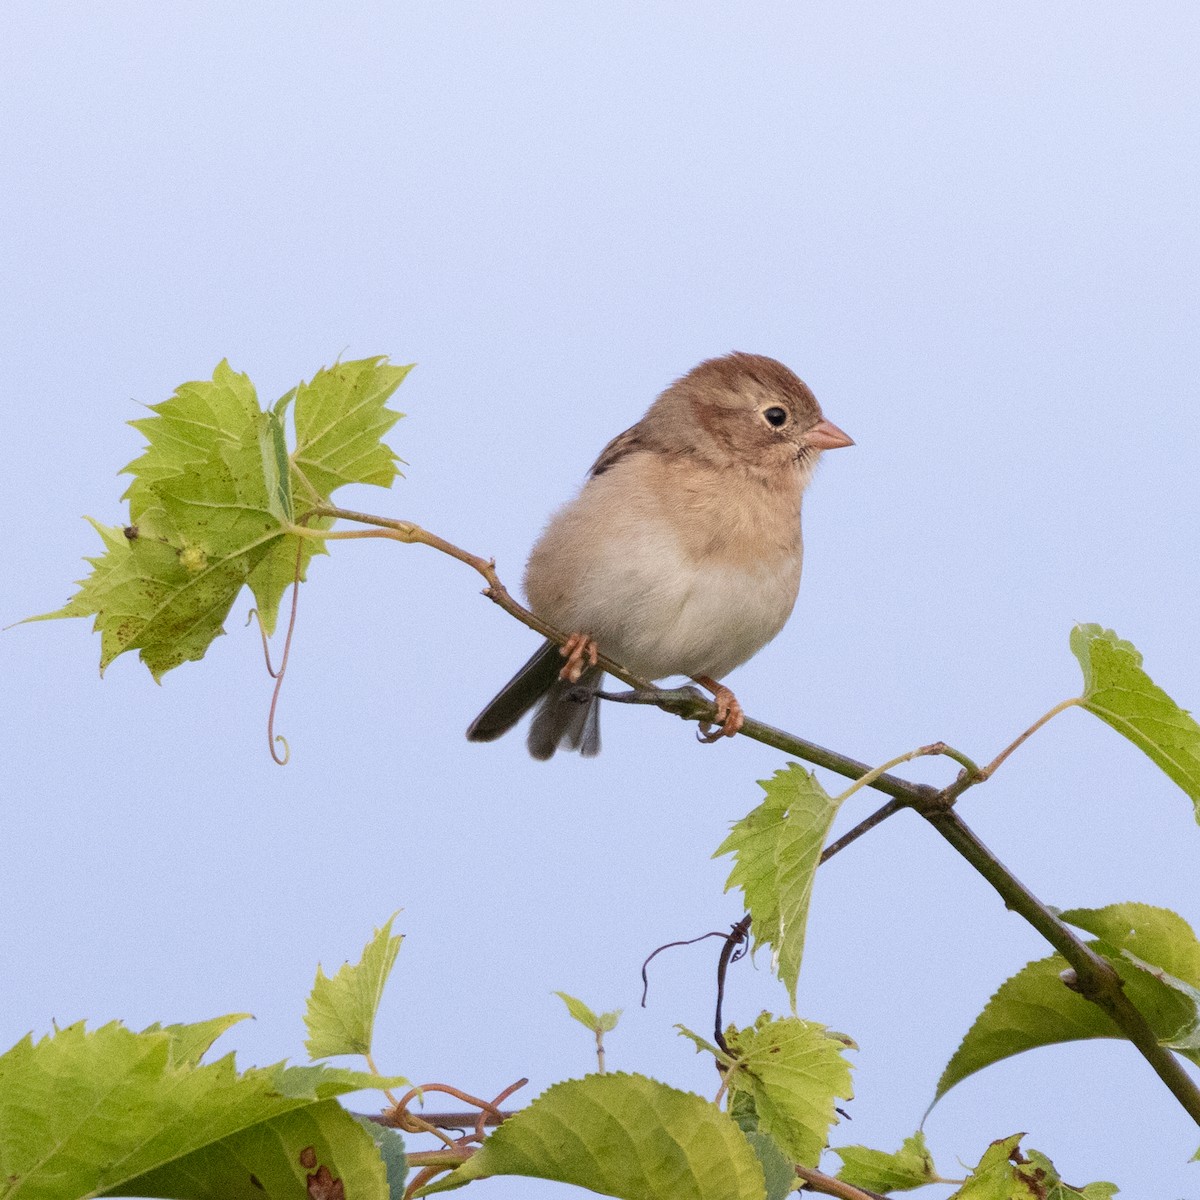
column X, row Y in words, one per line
column 912, row 794
column 970, row 771
column 448, row 1120
column 921, row 752
column 493, row 1109
column 449, row 1090
column 737, row 937
column 445, row 1160
column 432, row 1163
column 989, row 770
column 670, row 946
column 283, row 663
column 399, row 1116
column 255, row 615
column 827, row 1185
column 959, row 757
column 379, row 1075
column 865, row 826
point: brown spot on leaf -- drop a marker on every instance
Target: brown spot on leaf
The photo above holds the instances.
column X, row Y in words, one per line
column 131, row 532
column 323, row 1186
column 256, row 1182
column 308, row 1158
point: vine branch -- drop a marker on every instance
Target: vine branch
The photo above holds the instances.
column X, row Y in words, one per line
column 448, row 1120
column 736, row 944
column 1096, row 979
column 828, row 1185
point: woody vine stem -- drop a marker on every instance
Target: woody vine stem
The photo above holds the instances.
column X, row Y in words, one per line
column 1093, row 977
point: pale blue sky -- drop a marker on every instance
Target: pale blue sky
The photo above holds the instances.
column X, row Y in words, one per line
column 972, row 228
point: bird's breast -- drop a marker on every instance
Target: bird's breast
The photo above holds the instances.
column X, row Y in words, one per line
column 671, row 572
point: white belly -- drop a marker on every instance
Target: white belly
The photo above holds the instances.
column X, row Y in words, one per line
column 653, row 608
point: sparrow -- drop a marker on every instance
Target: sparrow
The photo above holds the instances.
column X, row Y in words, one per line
column 680, row 555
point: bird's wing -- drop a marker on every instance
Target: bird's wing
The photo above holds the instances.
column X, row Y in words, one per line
column 620, row 447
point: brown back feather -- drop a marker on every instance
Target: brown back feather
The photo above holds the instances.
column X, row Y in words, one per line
column 620, row 447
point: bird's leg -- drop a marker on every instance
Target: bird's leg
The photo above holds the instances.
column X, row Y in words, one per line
column 730, row 715
column 580, row 652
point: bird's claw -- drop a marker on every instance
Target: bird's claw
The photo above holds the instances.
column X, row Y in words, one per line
column 580, row 652
column 730, row 714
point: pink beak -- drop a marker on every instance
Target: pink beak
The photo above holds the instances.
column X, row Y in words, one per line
column 825, row 435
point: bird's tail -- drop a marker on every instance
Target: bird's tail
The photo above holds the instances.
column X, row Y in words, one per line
column 559, row 721
column 566, row 722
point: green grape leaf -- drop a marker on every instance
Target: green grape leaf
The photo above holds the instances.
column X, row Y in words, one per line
column 596, row 1022
column 1004, row 1173
column 1155, row 935
column 306, row 1152
column 212, row 486
column 1120, row 693
column 341, row 417
column 190, row 1043
column 621, row 1135
column 212, row 503
column 703, row 1045
column 909, row 1167
column 995, row 1177
column 1043, row 1171
column 793, row 1071
column 1034, row 1008
column 83, row 1113
column 391, row 1149
column 319, row 1082
column 777, row 1168
column 182, row 434
column 777, row 848
column 579, row 1010
column 148, row 596
column 340, row 1016
column 1161, row 943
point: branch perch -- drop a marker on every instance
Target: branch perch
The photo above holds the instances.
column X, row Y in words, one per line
column 1096, row 980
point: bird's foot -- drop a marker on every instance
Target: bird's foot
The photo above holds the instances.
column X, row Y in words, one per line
column 730, row 714
column 580, row 652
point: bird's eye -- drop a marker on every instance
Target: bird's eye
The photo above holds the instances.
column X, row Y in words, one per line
column 775, row 416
